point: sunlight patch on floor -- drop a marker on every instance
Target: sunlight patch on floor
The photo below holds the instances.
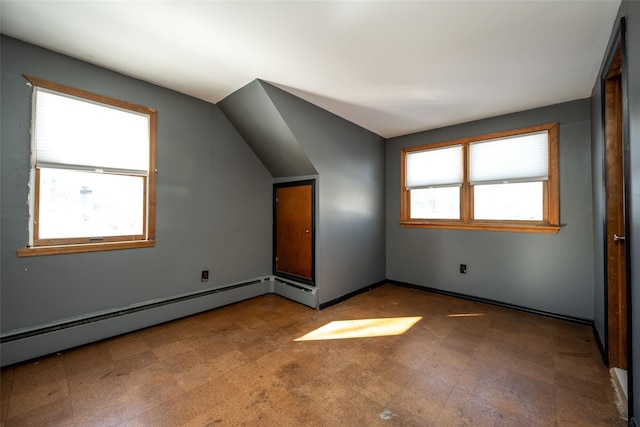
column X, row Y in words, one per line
column 361, row 328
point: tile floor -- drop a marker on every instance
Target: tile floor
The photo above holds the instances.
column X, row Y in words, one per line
column 463, row 363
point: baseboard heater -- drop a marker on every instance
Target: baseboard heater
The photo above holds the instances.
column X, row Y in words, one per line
column 21, row 345
column 294, row 285
column 304, row 294
column 118, row 313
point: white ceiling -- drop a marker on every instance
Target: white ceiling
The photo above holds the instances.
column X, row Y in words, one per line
column 389, row 66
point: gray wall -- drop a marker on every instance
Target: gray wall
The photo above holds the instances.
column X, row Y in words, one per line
column 350, row 237
column 631, row 11
column 547, row 272
column 213, row 203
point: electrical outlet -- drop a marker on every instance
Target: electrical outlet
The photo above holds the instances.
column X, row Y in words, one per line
column 205, row 276
column 463, row 268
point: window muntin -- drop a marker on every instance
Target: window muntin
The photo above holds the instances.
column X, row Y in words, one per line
column 93, row 172
column 509, row 181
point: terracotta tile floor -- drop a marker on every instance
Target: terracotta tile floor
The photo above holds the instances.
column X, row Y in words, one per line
column 463, row 363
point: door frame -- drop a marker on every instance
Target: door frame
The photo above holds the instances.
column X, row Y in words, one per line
column 618, row 42
column 312, row 183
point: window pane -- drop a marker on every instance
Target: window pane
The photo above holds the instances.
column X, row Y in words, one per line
column 439, row 166
column 83, row 204
column 514, row 158
column 518, row 201
column 436, row 203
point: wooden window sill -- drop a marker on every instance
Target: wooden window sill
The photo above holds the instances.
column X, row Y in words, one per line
column 91, row 247
column 519, row 228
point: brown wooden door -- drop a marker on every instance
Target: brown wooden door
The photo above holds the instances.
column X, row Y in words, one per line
column 615, row 217
column 294, row 231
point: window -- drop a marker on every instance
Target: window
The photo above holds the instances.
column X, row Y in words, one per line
column 506, row 181
column 93, row 172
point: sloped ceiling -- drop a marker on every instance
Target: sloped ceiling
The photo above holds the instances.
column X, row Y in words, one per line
column 391, row 67
column 261, row 125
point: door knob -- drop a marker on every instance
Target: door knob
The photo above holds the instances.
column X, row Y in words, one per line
column 617, row 238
